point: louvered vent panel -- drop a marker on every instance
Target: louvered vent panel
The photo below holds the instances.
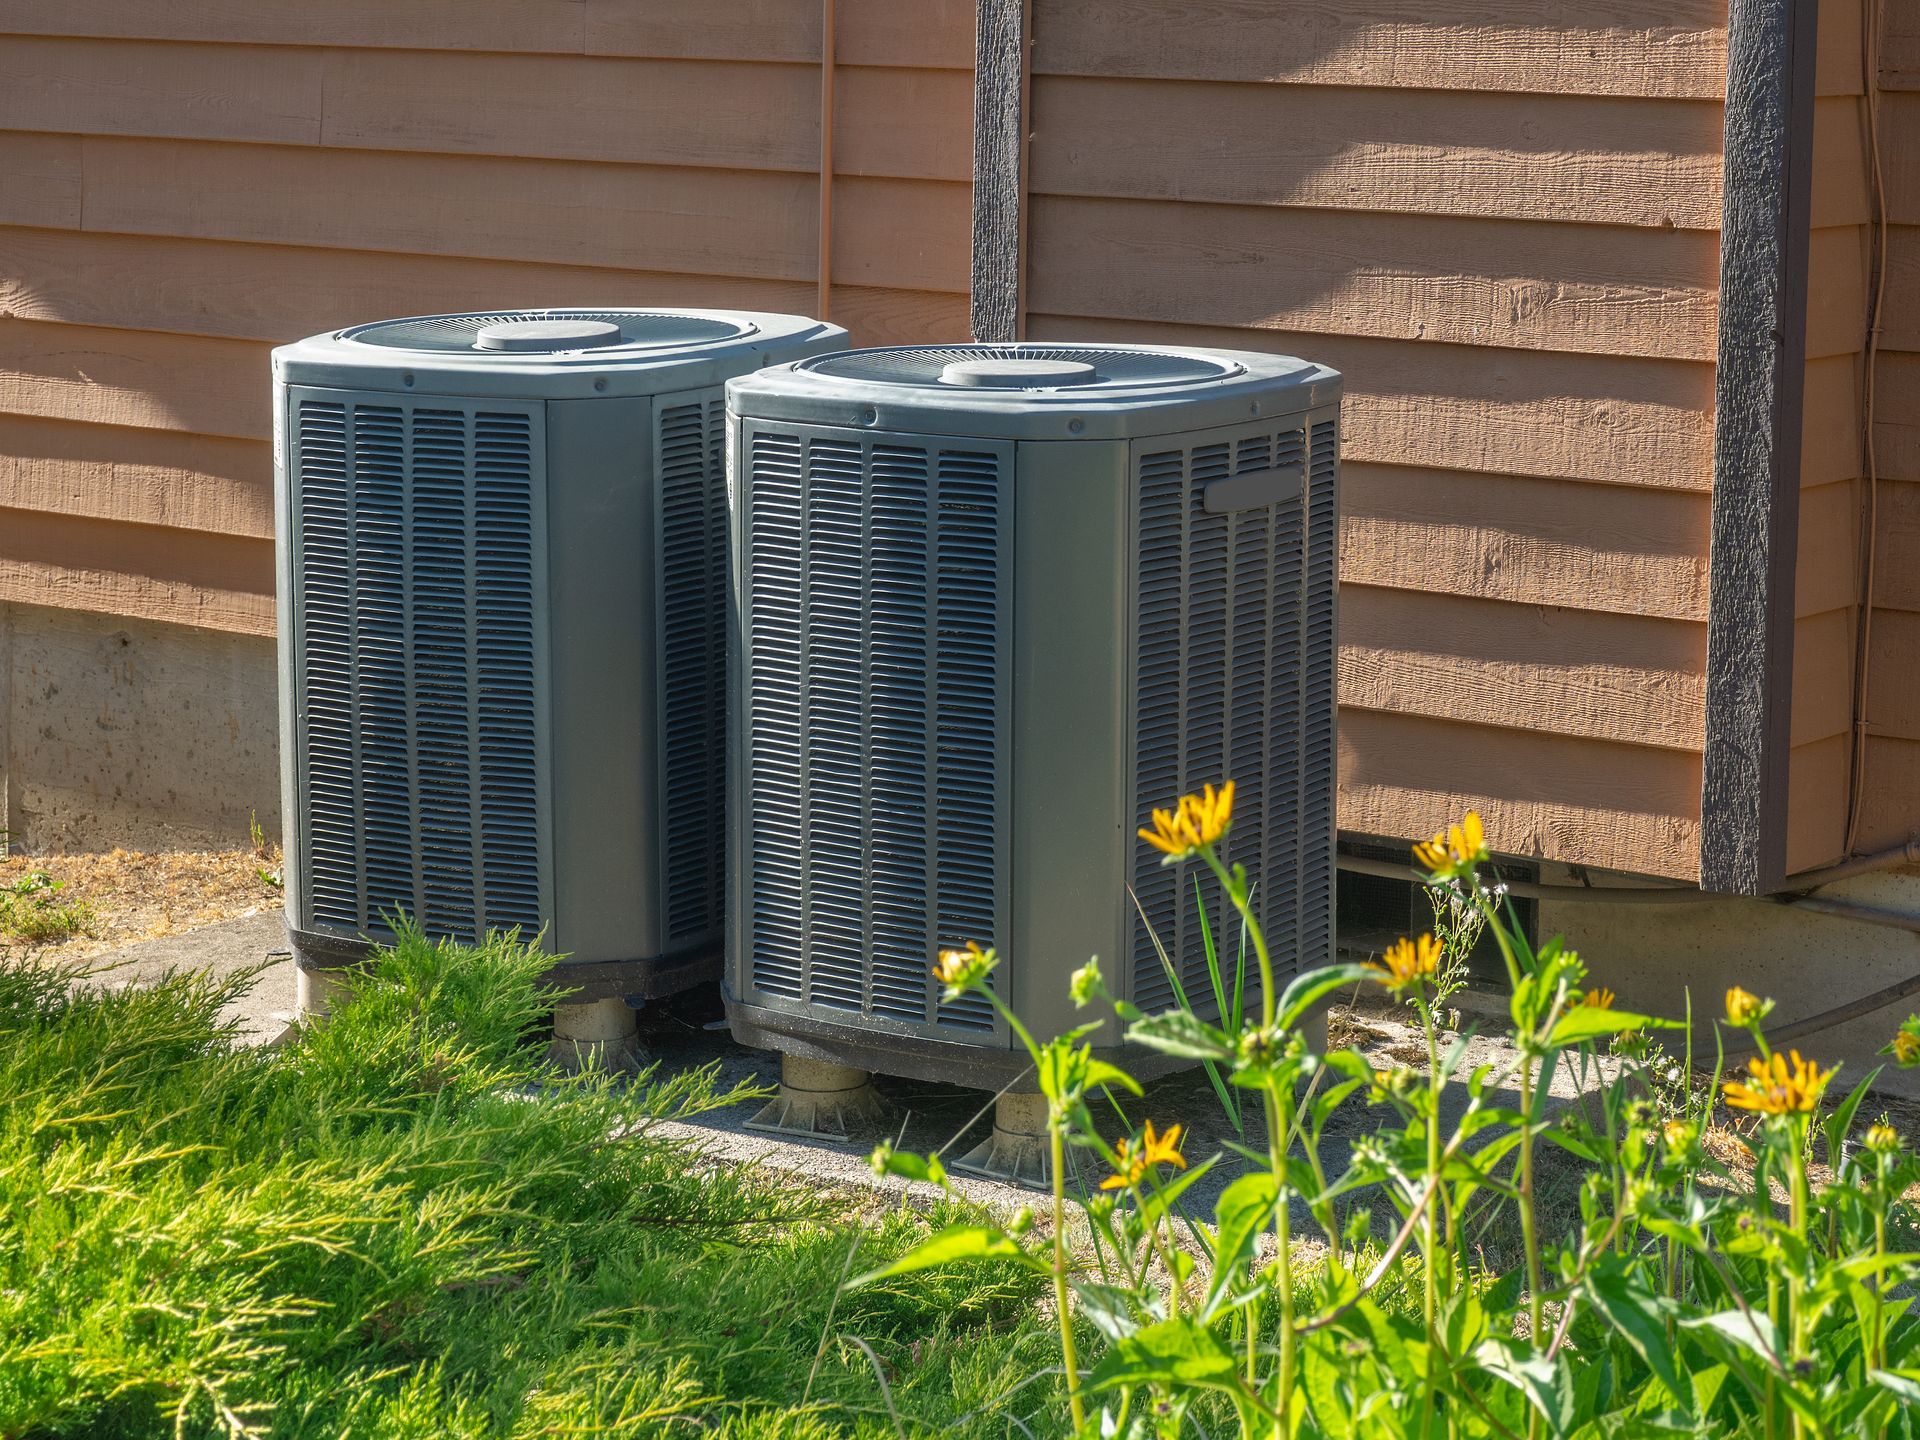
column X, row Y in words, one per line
column 415, row 565
column 693, row 609
column 776, row 839
column 1216, row 640
column 875, row 671
column 1321, row 657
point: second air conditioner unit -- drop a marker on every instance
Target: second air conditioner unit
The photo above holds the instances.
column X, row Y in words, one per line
column 992, row 605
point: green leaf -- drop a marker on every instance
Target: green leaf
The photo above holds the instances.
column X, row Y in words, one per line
column 1300, row 995
column 1178, row 1032
column 1589, row 1022
column 1753, row 1332
column 1544, row 1383
column 1161, row 1200
column 1905, row 1384
column 909, row 1166
column 1099, row 1072
column 1244, row 1209
column 1841, row 1121
column 1619, row 1293
column 1173, row 1353
column 955, row 1243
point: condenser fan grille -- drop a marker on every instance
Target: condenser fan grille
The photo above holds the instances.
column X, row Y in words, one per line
column 875, row 680
column 417, row 662
column 1233, row 630
column 461, row 334
column 1114, row 367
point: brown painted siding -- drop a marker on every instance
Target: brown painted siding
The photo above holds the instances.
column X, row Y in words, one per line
column 1827, row 571
column 190, row 184
column 1890, row 811
column 1500, row 219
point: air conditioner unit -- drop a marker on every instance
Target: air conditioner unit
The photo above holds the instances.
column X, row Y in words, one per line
column 502, row 599
column 992, row 605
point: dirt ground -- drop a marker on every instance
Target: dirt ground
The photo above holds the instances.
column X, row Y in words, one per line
column 127, row 897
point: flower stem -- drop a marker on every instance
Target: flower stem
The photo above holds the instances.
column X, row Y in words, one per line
column 1068, row 1357
column 1277, row 1129
column 1432, row 1218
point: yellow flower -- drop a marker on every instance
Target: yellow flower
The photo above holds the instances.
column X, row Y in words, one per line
column 1744, row 1008
column 1407, row 962
column 1906, row 1047
column 1457, row 851
column 1198, row 820
column 1131, row 1163
column 1779, row 1085
column 1881, row 1138
column 963, row 969
column 1679, row 1135
column 1598, row 999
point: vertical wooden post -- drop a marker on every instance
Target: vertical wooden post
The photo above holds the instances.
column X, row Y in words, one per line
column 1000, row 97
column 1756, row 445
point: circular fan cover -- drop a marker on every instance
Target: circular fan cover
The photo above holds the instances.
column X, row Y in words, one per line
column 1036, row 367
column 464, row 334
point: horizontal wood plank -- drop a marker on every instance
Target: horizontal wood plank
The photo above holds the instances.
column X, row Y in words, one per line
column 1896, row 576
column 130, row 377
column 1577, row 417
column 1582, row 802
column 916, row 124
column 1900, row 47
column 1823, row 675
column 208, row 92
column 1899, row 123
column 1900, row 305
column 1830, row 421
column 1827, row 563
column 1619, row 162
column 1836, row 291
column 110, row 472
column 1897, row 415
column 1474, row 282
column 184, row 577
column 1893, row 679
column 280, row 293
column 1837, row 55
column 934, row 33
column 1537, row 668
column 42, row 181
column 1889, row 815
column 1557, row 47
column 895, row 233
column 1817, row 775
column 1840, row 178
column 1631, row 551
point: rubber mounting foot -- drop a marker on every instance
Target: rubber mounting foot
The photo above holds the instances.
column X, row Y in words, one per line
column 818, row 1100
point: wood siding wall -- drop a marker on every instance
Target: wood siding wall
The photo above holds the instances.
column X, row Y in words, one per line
column 1828, row 573
column 1890, row 810
column 184, row 185
column 1501, row 221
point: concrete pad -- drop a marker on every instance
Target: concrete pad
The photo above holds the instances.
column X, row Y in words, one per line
column 221, row 950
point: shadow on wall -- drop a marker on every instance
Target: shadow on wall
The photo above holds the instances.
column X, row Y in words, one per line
column 125, row 733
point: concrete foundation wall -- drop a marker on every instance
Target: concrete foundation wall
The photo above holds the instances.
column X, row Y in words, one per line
column 117, row 732
column 1653, row 956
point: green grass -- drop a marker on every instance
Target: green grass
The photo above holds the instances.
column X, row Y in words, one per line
column 403, row 1224
column 31, row 910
